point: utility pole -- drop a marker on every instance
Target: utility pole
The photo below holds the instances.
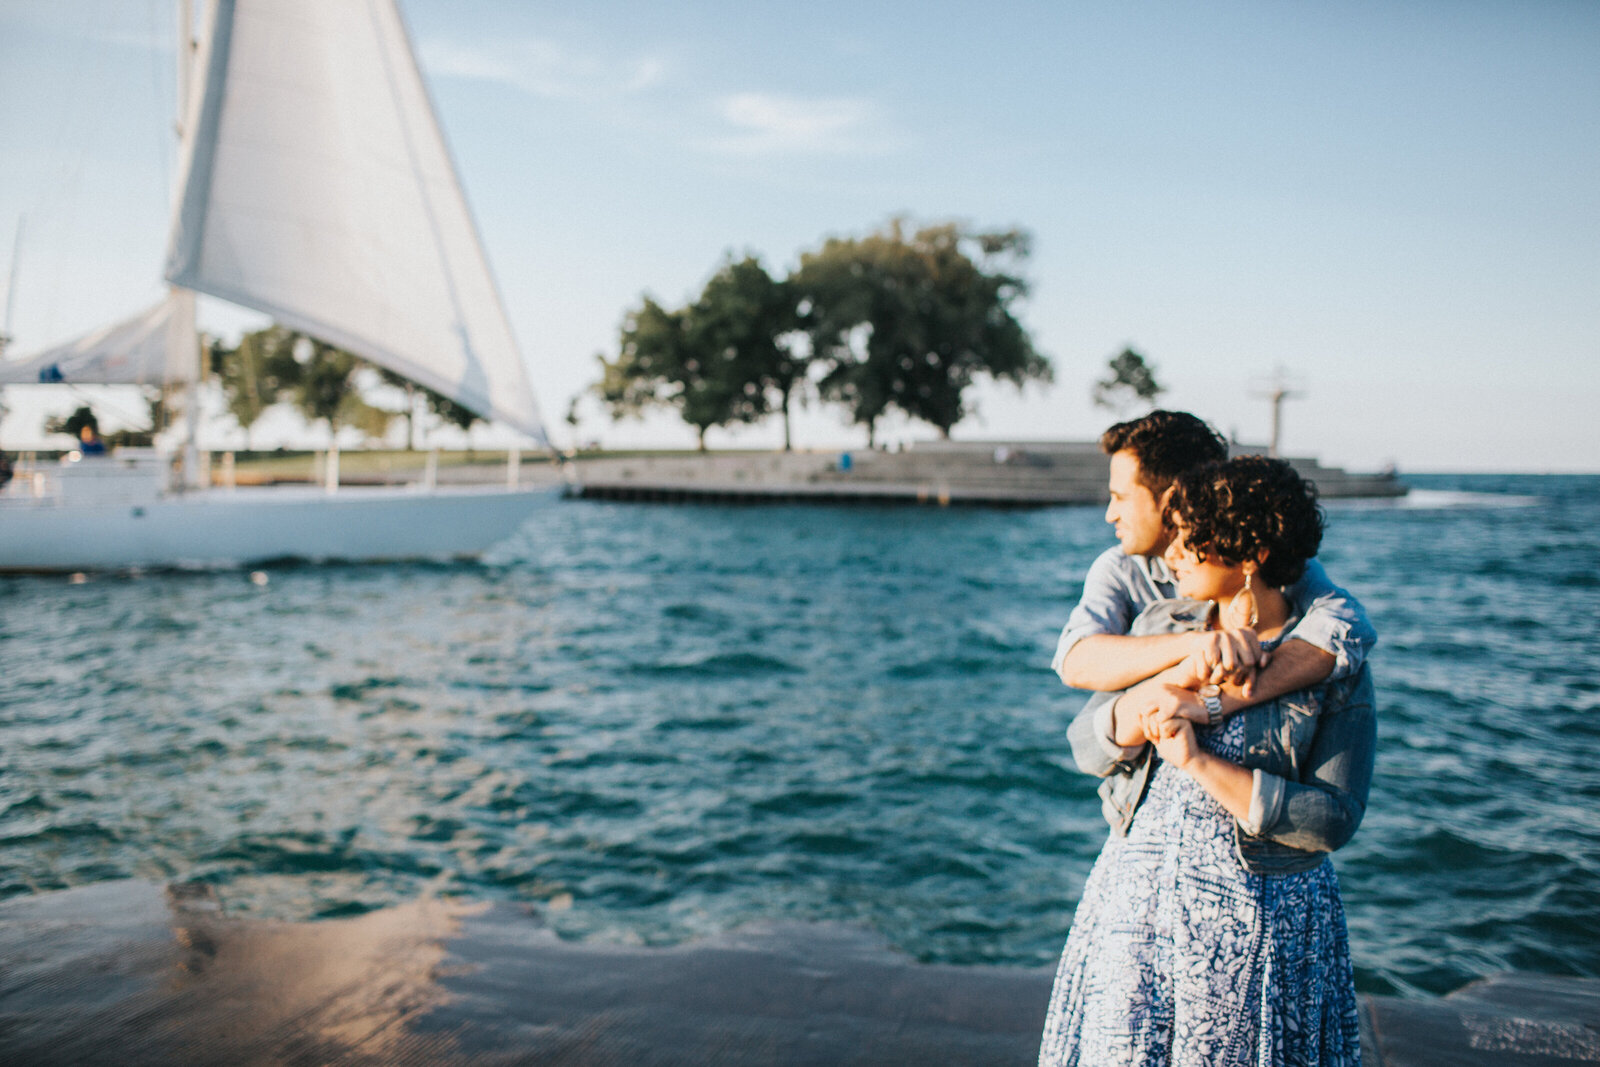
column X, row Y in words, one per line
column 1277, row 389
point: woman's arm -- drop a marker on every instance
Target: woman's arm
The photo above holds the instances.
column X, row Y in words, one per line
column 1159, row 698
column 1228, row 782
column 1321, row 810
column 1111, row 729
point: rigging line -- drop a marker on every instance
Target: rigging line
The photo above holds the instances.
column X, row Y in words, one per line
column 77, row 392
column 63, row 171
column 478, row 251
column 159, row 81
column 416, row 172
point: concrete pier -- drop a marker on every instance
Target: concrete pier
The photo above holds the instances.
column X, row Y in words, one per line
column 127, row 974
column 940, row 474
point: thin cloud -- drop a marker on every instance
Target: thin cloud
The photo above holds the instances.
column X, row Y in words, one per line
column 770, row 124
column 541, row 68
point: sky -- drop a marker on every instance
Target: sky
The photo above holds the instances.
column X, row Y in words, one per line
column 1397, row 203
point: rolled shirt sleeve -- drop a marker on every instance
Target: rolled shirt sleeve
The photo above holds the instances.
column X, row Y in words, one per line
column 1332, row 620
column 1266, row 801
column 1089, row 737
column 1107, row 737
column 1106, row 606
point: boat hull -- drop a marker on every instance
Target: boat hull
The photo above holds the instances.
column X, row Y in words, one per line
column 232, row 528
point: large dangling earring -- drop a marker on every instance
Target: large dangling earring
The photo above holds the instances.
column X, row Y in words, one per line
column 1255, row 611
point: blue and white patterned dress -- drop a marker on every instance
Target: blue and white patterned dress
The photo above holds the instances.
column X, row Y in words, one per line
column 1179, row 956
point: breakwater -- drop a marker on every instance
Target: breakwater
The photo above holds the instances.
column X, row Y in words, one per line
column 988, row 474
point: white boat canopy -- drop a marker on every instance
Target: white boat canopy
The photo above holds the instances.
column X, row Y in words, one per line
column 155, row 347
column 317, row 188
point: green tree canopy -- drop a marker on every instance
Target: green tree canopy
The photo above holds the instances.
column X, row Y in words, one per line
column 912, row 322
column 438, row 403
column 743, row 330
column 719, row 360
column 321, row 380
column 249, row 374
column 1132, row 384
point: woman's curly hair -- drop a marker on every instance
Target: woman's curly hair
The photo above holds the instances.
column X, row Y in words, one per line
column 1249, row 504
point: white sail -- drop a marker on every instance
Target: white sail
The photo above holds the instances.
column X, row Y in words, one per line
column 155, row 347
column 317, row 188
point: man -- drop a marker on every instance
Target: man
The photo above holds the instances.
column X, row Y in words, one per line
column 1331, row 639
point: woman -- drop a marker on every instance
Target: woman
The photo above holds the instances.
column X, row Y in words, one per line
column 1210, row 930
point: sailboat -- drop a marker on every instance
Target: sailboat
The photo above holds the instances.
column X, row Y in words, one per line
column 315, row 187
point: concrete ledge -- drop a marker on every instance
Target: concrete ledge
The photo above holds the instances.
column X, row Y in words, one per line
column 128, row 974
column 953, row 475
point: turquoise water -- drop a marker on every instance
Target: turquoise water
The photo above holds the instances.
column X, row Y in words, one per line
column 656, row 723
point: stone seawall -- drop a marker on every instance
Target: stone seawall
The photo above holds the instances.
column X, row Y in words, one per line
column 993, row 474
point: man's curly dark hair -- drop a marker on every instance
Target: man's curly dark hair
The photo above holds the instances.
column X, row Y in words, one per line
column 1166, row 443
column 1236, row 510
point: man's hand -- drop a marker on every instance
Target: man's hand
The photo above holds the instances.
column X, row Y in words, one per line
column 1225, row 657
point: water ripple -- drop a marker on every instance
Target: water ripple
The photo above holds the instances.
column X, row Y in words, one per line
column 660, row 723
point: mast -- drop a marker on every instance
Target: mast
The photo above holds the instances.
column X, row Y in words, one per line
column 11, row 300
column 186, row 49
column 11, row 286
column 181, row 330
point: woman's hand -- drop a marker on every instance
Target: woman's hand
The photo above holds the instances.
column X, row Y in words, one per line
column 1177, row 743
column 1170, row 703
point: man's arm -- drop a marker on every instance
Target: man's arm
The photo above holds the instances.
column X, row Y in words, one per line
column 1330, row 620
column 1105, row 608
column 1295, row 665
column 1115, row 661
column 1107, row 662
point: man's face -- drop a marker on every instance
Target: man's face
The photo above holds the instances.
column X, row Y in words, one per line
column 1134, row 511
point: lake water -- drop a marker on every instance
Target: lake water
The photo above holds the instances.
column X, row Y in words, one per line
column 657, row 723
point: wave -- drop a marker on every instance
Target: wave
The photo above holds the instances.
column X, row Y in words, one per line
column 1446, row 499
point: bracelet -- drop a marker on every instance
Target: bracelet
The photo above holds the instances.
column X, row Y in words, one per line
column 1211, row 698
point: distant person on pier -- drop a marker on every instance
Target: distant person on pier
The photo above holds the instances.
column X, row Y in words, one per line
column 1210, row 930
column 89, row 442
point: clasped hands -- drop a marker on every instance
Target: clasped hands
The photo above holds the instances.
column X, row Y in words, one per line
column 1226, row 657
column 1168, row 706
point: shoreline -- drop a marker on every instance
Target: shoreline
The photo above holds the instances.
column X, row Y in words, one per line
column 131, row 973
column 944, row 474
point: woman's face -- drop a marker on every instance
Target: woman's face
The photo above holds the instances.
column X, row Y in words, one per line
column 1209, row 580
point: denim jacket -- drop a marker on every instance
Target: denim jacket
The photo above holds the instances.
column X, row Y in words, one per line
column 1312, row 754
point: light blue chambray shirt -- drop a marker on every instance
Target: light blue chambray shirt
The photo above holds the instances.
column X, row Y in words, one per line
column 1119, row 586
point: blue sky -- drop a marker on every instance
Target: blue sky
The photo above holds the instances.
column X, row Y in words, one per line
column 1397, row 202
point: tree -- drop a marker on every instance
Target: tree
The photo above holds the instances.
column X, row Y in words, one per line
column 1132, row 384
column 650, row 360
column 156, row 399
column 743, row 331
column 911, row 323
column 246, row 373
column 715, row 360
column 321, row 379
column 438, row 403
